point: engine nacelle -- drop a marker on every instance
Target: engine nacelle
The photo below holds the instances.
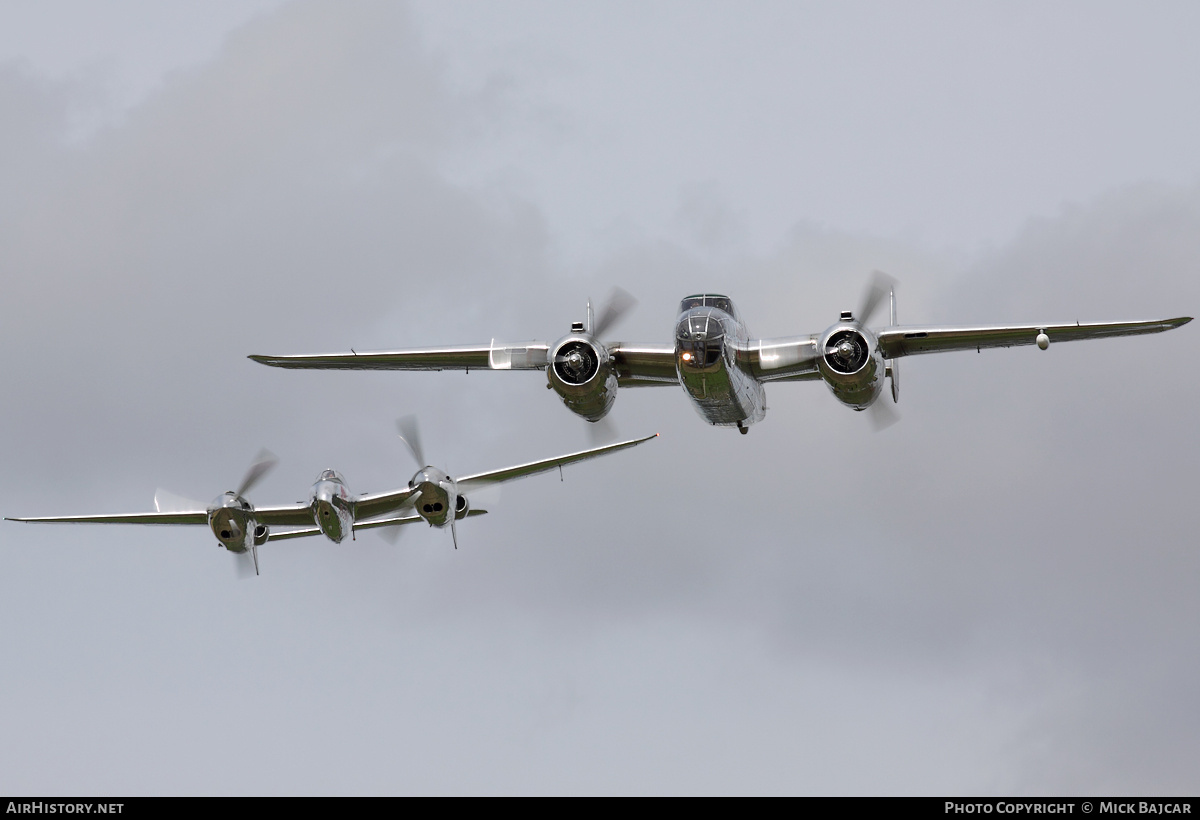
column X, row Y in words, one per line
column 581, row 372
column 461, row 507
column 231, row 519
column 851, row 364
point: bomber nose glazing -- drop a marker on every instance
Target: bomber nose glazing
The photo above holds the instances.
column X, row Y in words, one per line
column 699, row 338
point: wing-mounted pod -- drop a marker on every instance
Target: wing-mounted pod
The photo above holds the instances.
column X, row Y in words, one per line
column 581, row 373
column 461, row 507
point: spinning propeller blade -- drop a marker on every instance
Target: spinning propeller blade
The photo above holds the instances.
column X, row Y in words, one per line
column 165, row 501
column 264, row 462
column 883, row 414
column 410, row 434
column 620, row 302
column 878, row 288
column 245, row 565
column 602, row 432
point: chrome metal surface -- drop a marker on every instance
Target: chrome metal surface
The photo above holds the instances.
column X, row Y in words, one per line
column 720, row 367
column 431, row 496
column 707, row 341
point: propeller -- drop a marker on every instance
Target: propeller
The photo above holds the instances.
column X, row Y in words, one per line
column 879, row 287
column 391, row 535
column 245, row 564
column 602, row 432
column 883, row 414
column 410, row 434
column 165, row 501
column 264, row 462
column 620, row 302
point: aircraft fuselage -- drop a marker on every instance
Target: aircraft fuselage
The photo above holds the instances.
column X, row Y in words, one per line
column 708, row 335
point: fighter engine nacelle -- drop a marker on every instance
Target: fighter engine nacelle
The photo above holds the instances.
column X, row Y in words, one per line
column 231, row 519
column 851, row 364
column 581, row 372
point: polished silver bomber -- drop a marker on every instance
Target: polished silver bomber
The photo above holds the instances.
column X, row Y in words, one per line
column 430, row 496
column 716, row 362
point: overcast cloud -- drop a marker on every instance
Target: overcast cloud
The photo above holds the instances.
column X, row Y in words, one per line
column 996, row 595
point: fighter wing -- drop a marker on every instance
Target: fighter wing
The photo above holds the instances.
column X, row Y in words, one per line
column 287, row 534
column 370, row 505
column 520, row 356
column 401, row 519
column 192, row 517
column 908, row 341
column 533, row 467
column 296, row 515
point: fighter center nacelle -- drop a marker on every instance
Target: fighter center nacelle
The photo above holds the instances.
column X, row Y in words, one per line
column 231, row 519
column 581, row 372
column 332, row 507
column 851, row 363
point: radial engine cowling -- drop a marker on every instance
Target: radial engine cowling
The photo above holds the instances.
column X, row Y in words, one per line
column 581, row 372
column 851, row 364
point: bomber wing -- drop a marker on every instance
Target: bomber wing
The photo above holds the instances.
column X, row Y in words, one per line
column 909, row 341
column 790, row 358
column 534, row 467
column 640, row 365
column 518, row 356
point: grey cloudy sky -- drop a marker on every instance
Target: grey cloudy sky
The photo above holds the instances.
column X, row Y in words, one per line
column 995, row 595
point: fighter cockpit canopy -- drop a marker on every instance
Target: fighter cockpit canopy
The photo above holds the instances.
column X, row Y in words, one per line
column 331, row 475
column 713, row 300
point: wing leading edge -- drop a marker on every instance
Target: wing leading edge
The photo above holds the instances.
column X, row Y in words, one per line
column 909, row 341
column 200, row 517
column 534, row 467
column 522, row 356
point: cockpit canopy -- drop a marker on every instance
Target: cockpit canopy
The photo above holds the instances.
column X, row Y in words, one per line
column 331, row 475
column 713, row 300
